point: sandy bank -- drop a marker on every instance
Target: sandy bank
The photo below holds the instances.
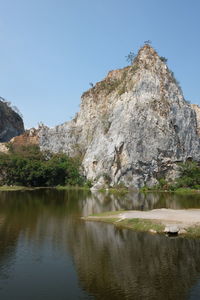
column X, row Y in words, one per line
column 187, row 220
column 184, row 217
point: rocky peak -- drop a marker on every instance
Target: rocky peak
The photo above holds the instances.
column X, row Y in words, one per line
column 133, row 126
column 148, row 59
column 147, row 54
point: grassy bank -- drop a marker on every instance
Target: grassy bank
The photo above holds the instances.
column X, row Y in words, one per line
column 63, row 187
column 138, row 224
column 14, row 188
column 133, row 224
column 186, row 191
column 20, row 188
column 177, row 191
column 72, row 187
column 115, row 191
column 193, row 231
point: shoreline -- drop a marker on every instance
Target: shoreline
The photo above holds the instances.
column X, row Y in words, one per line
column 116, row 191
column 157, row 221
column 7, row 188
column 178, row 191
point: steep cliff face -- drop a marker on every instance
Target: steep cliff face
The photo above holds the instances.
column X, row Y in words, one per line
column 197, row 111
column 11, row 124
column 132, row 128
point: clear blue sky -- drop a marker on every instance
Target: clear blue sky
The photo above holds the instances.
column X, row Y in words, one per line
column 50, row 50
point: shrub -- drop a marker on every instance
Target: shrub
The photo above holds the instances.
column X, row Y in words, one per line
column 164, row 59
column 31, row 167
column 122, row 90
column 107, row 178
column 130, row 57
column 189, row 175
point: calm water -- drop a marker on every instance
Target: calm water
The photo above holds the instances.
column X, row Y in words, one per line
column 47, row 252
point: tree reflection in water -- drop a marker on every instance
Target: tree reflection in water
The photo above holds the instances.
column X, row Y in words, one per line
column 120, row 264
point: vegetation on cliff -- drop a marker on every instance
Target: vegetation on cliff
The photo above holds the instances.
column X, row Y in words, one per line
column 28, row 166
column 189, row 179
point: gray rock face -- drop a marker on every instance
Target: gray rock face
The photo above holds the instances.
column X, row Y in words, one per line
column 11, row 124
column 132, row 128
column 197, row 111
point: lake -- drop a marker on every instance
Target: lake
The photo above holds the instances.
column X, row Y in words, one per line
column 48, row 252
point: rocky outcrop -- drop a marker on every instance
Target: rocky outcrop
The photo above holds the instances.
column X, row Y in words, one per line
column 11, row 124
column 197, row 111
column 4, row 148
column 29, row 137
column 133, row 127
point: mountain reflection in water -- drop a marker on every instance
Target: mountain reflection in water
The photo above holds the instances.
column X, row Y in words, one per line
column 47, row 251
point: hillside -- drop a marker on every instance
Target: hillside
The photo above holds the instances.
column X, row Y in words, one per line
column 133, row 126
column 11, row 123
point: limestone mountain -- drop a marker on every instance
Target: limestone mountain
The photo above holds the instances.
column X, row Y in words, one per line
column 133, row 126
column 11, row 123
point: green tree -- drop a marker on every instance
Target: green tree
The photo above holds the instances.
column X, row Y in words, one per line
column 130, row 57
column 28, row 166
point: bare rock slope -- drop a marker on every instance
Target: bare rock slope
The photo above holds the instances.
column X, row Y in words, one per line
column 133, row 127
column 11, row 124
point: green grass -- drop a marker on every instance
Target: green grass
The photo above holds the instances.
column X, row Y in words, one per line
column 141, row 225
column 186, row 191
column 103, row 220
column 193, row 231
column 120, row 191
column 108, row 213
column 133, row 224
column 72, row 187
column 178, row 191
column 136, row 224
column 116, row 191
column 59, row 187
column 12, row 188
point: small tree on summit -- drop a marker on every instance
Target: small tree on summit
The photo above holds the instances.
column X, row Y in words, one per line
column 164, row 59
column 91, row 84
column 130, row 57
column 148, row 42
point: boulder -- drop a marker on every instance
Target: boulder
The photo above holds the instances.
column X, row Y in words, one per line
column 172, row 229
